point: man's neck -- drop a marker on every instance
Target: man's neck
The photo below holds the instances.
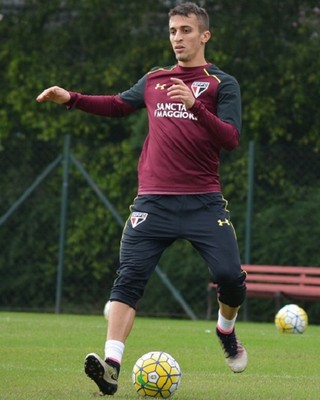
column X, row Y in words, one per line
column 192, row 64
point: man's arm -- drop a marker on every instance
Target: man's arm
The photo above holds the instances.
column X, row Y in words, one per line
column 109, row 106
column 104, row 105
column 224, row 133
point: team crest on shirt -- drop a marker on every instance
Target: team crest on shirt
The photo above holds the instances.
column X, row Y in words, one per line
column 199, row 87
column 137, row 218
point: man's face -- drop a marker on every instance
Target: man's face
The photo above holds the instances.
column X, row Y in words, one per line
column 186, row 39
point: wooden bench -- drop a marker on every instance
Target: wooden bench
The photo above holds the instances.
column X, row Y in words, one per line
column 278, row 282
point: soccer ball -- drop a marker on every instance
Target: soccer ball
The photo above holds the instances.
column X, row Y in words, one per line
column 291, row 319
column 156, row 374
column 106, row 309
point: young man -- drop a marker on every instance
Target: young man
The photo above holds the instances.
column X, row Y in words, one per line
column 194, row 112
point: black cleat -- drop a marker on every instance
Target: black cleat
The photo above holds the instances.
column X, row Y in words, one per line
column 236, row 355
column 102, row 373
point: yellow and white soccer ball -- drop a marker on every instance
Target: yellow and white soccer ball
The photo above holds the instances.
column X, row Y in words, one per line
column 156, row 374
column 291, row 319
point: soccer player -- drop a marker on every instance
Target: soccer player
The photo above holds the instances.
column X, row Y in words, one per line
column 194, row 112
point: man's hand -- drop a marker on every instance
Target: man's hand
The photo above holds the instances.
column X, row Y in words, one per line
column 55, row 94
column 180, row 91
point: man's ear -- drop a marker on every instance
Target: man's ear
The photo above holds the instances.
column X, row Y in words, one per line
column 205, row 36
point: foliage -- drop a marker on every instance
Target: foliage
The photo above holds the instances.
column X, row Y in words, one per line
column 284, row 235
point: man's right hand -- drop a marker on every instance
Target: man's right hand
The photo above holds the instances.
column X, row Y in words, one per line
column 55, row 94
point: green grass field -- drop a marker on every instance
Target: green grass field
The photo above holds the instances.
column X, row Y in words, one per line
column 42, row 358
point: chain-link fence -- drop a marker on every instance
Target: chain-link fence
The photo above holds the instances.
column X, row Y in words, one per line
column 61, row 218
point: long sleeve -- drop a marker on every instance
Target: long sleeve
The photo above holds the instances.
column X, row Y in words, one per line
column 107, row 106
column 224, row 133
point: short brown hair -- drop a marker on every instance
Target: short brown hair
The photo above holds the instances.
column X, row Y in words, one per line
column 185, row 9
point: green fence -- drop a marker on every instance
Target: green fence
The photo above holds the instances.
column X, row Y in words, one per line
column 62, row 217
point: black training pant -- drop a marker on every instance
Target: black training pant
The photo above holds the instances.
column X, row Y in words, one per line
column 156, row 221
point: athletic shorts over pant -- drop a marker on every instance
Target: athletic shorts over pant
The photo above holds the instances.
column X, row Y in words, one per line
column 156, row 221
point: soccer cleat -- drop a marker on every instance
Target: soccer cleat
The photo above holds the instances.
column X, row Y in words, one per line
column 236, row 355
column 102, row 373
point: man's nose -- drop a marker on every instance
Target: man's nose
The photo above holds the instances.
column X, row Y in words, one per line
column 177, row 37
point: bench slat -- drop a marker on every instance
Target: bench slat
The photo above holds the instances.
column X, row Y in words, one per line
column 289, row 279
column 277, row 269
column 301, row 291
